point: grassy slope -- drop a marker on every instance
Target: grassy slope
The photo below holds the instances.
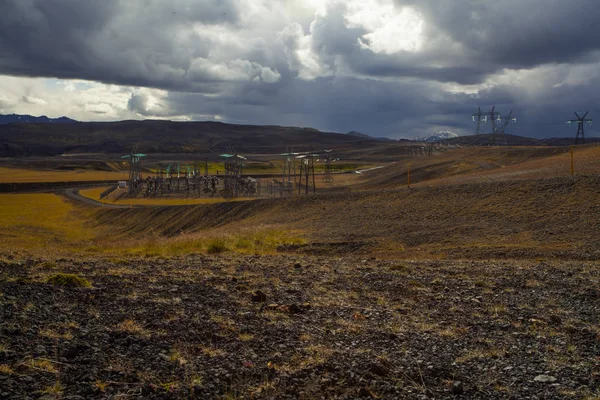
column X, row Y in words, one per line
column 117, row 198
column 482, row 164
column 41, row 223
column 554, row 218
column 14, row 175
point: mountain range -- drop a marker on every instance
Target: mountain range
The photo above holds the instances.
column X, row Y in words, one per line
column 30, row 119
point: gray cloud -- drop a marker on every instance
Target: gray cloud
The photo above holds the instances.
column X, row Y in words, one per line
column 252, row 62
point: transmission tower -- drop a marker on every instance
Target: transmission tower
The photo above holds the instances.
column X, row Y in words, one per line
column 328, row 177
column 233, row 172
column 307, row 171
column 289, row 172
column 580, row 121
column 494, row 117
column 477, row 118
column 503, row 123
column 135, row 171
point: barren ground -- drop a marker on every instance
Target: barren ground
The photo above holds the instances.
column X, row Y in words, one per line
column 329, row 328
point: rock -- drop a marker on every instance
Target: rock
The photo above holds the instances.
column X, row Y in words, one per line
column 555, row 319
column 294, row 309
column 378, row 369
column 259, row 297
column 297, row 265
column 74, row 351
column 544, row 379
column 366, row 392
column 457, row 388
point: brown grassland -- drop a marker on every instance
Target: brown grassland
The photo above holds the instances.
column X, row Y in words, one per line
column 481, row 280
column 17, row 175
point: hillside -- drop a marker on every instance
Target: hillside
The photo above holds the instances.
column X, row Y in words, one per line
column 163, row 137
column 484, row 164
column 512, row 140
column 56, row 138
column 534, row 218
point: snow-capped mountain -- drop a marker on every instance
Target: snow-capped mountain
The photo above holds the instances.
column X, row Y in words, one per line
column 442, row 135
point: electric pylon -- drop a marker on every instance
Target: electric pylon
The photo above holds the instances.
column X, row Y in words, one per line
column 580, row 121
column 328, row 177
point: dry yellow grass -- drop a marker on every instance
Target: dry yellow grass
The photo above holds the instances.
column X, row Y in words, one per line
column 15, row 175
column 49, row 225
column 243, row 241
column 41, row 222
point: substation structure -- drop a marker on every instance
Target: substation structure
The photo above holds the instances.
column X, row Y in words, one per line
column 193, row 180
column 298, row 175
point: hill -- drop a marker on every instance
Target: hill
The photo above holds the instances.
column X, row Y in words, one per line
column 365, row 136
column 29, row 119
column 511, row 140
column 162, row 137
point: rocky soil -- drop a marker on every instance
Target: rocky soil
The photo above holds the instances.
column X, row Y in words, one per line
column 289, row 326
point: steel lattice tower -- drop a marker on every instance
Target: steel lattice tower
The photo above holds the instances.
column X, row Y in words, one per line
column 580, row 121
column 328, row 177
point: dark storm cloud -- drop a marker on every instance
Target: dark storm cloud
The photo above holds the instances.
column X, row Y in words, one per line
column 515, row 33
column 467, row 41
column 143, row 43
column 316, row 70
column 331, row 104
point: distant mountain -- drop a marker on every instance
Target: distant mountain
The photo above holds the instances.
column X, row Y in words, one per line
column 365, row 136
column 29, row 119
column 442, row 135
column 208, row 137
column 487, row 139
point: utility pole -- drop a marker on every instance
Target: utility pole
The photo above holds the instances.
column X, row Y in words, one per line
column 580, row 121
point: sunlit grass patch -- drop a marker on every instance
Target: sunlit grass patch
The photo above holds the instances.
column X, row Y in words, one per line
column 53, row 334
column 250, row 241
column 41, row 365
column 245, row 337
column 211, row 351
column 6, row 370
column 40, row 222
column 475, row 354
column 56, row 389
column 130, row 326
column 216, row 246
column 32, row 175
column 68, row 280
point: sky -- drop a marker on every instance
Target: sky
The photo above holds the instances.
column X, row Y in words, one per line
column 393, row 68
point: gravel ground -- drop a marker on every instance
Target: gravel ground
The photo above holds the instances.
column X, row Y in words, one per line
column 292, row 326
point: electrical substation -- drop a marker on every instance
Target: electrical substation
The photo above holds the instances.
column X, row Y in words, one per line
column 297, row 176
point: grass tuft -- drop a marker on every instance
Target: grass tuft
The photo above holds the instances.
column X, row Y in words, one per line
column 68, row 280
column 6, row 370
column 217, row 246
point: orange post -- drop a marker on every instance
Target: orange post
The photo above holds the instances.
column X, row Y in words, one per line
column 572, row 163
